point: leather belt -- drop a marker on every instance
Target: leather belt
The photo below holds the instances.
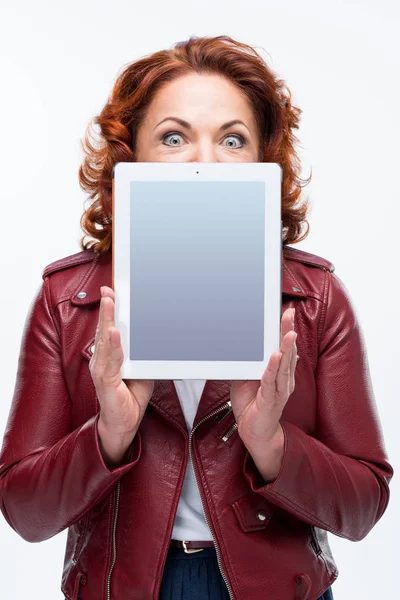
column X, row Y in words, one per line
column 191, row 547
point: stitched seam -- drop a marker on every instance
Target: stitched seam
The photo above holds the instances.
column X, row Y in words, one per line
column 81, row 283
column 322, row 319
column 54, row 320
column 306, row 514
column 82, row 535
column 311, row 293
column 109, row 543
column 308, row 292
column 166, row 539
column 60, row 300
column 217, row 525
column 246, row 527
column 70, row 261
column 331, row 580
column 49, row 308
column 308, row 258
column 241, row 497
column 167, row 414
column 323, row 558
column 239, row 515
column 89, row 272
column 109, row 488
column 290, row 272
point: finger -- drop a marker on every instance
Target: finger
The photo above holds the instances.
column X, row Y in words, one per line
column 107, row 291
column 268, row 379
column 98, row 330
column 293, row 364
column 283, row 375
column 108, row 314
column 287, row 322
column 102, row 344
column 116, row 356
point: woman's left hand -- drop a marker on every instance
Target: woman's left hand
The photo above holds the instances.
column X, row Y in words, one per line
column 258, row 405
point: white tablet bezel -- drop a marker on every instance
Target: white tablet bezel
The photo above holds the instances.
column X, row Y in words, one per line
column 271, row 175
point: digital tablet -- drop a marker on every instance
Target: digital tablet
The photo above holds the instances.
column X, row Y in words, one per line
column 196, row 268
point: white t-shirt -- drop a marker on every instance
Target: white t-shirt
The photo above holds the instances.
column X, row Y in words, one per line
column 190, row 523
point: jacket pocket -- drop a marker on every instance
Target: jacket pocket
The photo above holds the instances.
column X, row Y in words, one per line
column 252, row 512
column 83, row 523
column 314, row 540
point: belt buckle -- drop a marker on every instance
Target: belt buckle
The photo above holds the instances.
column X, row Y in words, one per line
column 190, row 550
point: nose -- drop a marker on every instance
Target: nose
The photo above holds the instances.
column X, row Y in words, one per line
column 205, row 151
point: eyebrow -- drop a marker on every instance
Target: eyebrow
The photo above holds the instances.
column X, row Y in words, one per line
column 188, row 125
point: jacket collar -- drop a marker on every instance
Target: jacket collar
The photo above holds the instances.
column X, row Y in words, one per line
column 100, row 273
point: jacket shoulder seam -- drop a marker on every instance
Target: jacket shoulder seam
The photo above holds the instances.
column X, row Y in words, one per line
column 322, row 319
column 47, row 296
column 311, row 293
column 308, row 258
column 69, row 261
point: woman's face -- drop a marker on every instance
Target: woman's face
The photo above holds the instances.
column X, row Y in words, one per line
column 190, row 120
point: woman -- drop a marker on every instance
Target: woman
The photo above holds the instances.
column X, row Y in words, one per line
column 130, row 465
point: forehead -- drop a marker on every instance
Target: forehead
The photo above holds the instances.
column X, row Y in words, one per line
column 194, row 93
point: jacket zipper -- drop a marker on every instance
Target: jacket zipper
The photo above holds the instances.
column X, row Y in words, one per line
column 81, row 539
column 229, row 432
column 314, row 541
column 214, row 412
column 113, row 541
column 232, row 429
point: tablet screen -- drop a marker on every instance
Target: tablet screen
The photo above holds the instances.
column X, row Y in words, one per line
column 197, row 252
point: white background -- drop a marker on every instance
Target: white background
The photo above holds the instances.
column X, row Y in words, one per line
column 341, row 62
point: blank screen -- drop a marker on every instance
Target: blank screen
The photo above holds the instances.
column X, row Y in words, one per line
column 197, row 270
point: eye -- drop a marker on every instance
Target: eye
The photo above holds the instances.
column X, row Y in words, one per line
column 235, row 138
column 175, row 137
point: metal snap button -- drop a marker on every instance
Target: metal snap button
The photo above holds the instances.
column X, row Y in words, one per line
column 81, row 294
column 261, row 514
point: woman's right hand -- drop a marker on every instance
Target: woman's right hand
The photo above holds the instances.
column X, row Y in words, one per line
column 123, row 403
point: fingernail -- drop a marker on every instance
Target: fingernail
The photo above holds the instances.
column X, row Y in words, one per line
column 101, row 291
column 293, row 313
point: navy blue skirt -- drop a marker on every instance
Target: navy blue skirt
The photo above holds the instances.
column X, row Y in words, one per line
column 197, row 577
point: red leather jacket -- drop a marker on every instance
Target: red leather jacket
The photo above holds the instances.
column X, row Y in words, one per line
column 271, row 538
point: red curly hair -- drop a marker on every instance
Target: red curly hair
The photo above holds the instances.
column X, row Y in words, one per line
column 134, row 90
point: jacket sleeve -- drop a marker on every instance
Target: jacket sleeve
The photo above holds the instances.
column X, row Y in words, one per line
column 49, row 475
column 338, row 480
